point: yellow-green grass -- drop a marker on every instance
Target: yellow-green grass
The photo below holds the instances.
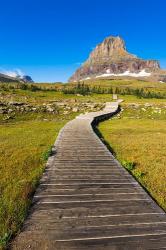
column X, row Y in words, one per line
column 24, row 148
column 138, row 138
column 40, row 97
column 135, row 99
column 125, row 83
column 49, row 90
column 54, row 92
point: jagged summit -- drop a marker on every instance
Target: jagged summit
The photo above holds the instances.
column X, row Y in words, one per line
column 112, row 48
column 111, row 58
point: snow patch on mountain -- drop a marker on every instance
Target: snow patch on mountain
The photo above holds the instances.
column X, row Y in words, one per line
column 142, row 73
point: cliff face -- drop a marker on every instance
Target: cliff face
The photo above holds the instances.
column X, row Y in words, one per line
column 111, row 58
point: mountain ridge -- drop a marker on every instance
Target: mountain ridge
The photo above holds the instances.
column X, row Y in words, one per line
column 7, row 78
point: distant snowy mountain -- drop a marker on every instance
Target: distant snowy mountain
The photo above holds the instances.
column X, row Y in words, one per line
column 15, row 77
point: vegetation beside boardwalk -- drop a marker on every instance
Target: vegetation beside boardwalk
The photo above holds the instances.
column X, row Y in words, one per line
column 31, row 116
column 137, row 137
column 24, row 149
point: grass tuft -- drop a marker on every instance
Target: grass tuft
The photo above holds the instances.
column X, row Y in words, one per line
column 128, row 165
column 47, row 154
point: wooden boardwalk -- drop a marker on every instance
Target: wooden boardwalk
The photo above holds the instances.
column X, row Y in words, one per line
column 86, row 200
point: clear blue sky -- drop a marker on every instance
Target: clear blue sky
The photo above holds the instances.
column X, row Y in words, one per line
column 49, row 39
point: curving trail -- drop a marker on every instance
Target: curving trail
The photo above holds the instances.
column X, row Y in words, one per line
column 86, row 200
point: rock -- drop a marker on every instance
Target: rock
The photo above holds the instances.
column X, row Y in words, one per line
column 148, row 105
column 134, row 105
column 75, row 109
column 68, row 108
column 2, row 104
column 10, row 111
column 3, row 111
column 34, row 109
column 60, row 104
column 111, row 57
column 16, row 103
column 49, row 109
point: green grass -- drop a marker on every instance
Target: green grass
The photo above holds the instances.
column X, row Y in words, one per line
column 138, row 138
column 133, row 83
column 24, row 148
column 40, row 97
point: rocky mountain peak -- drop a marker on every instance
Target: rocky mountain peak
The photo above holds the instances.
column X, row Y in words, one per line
column 112, row 48
column 110, row 58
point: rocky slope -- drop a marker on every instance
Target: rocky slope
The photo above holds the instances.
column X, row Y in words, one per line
column 6, row 78
column 110, row 58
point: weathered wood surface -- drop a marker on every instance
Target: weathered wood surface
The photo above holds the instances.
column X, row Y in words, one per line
column 86, row 200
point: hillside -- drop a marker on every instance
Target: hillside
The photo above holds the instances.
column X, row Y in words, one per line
column 7, row 78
